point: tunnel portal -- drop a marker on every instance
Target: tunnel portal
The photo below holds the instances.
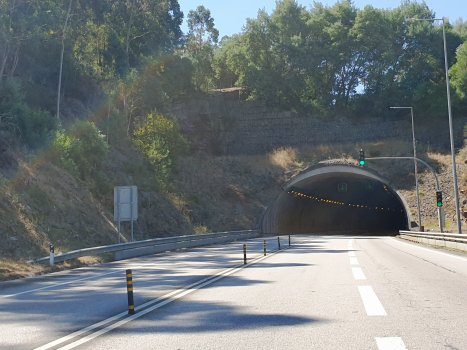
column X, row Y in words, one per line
column 337, row 199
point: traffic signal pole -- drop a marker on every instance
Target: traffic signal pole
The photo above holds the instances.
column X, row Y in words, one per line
column 436, row 178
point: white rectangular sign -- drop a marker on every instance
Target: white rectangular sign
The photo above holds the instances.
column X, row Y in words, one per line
column 125, row 203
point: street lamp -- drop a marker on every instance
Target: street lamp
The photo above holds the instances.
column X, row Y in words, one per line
column 415, row 165
column 451, row 133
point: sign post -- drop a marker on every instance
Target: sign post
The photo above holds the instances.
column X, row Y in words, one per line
column 125, row 206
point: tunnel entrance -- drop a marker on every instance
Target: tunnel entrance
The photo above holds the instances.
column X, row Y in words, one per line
column 337, row 199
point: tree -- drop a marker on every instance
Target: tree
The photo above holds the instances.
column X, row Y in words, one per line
column 460, row 28
column 65, row 26
column 229, row 62
column 201, row 40
column 458, row 72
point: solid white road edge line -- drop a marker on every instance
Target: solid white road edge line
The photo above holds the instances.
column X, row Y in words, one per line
column 433, row 251
column 358, row 273
column 371, row 302
column 120, row 315
column 60, row 284
column 182, row 291
column 98, row 275
column 152, row 308
column 87, row 278
column 394, row 343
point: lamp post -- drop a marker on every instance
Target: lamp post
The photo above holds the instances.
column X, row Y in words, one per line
column 415, row 165
column 451, row 134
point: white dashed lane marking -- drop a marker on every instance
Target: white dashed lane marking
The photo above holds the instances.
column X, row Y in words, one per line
column 358, row 273
column 394, row 343
column 371, row 302
column 373, row 306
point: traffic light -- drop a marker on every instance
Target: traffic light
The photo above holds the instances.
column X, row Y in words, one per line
column 439, row 198
column 362, row 157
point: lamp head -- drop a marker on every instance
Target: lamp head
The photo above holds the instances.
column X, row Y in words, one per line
column 423, row 19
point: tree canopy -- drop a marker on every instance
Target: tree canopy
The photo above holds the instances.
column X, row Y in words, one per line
column 343, row 59
column 118, row 61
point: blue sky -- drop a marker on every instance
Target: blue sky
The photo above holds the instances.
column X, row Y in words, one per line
column 230, row 16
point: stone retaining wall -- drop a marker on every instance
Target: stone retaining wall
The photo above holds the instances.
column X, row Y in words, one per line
column 249, row 127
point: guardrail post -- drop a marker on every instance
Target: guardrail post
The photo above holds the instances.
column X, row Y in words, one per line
column 244, row 253
column 279, row 242
column 264, row 247
column 129, row 289
column 52, row 255
column 289, row 240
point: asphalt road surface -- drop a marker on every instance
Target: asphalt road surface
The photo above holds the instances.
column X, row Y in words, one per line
column 323, row 292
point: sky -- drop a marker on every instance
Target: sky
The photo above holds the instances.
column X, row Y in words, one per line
column 230, row 16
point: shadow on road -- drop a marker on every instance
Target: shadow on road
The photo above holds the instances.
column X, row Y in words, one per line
column 201, row 317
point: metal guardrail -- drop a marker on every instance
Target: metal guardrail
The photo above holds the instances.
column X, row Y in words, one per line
column 159, row 245
column 449, row 240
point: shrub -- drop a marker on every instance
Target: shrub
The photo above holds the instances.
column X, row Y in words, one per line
column 31, row 126
column 81, row 150
column 161, row 142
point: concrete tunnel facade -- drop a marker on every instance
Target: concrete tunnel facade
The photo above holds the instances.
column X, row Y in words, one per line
column 337, row 199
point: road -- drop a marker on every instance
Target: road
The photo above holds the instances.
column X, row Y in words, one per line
column 324, row 292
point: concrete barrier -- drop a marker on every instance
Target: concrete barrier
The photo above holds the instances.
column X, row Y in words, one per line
column 447, row 240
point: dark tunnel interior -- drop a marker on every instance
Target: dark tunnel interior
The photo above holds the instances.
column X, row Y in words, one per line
column 339, row 203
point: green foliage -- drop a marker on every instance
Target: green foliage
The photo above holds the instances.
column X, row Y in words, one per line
column 460, row 28
column 34, row 126
column 201, row 42
column 31, row 126
column 61, row 153
column 10, row 94
column 105, row 40
column 164, row 78
column 229, row 62
column 340, row 59
column 160, row 140
column 323, row 60
column 81, row 150
column 458, row 72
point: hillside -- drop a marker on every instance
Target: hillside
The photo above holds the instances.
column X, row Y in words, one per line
column 41, row 204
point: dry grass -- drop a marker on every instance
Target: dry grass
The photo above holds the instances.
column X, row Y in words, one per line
column 200, row 229
column 284, row 158
column 209, row 194
column 13, row 269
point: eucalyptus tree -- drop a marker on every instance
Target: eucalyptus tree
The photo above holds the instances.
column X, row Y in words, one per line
column 201, row 42
column 65, row 26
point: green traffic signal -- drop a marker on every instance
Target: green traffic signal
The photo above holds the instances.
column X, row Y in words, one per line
column 362, row 157
column 439, row 198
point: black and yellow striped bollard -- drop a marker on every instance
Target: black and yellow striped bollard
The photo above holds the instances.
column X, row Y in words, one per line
column 279, row 242
column 264, row 247
column 244, row 254
column 129, row 288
